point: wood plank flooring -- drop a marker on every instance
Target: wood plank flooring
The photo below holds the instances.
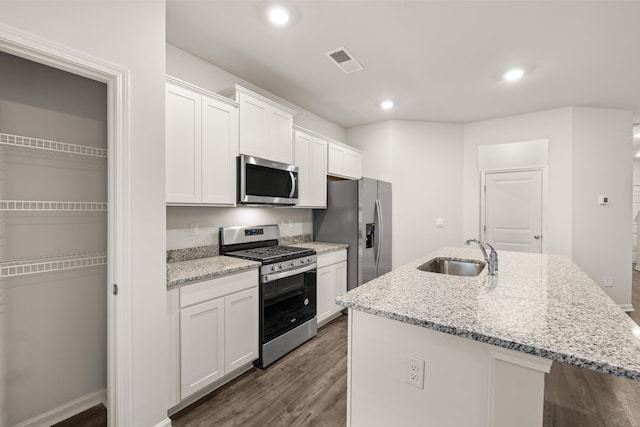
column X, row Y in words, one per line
column 308, row 387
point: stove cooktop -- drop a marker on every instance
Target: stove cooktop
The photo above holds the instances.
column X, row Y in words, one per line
column 272, row 253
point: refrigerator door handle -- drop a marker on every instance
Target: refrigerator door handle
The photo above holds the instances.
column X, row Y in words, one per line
column 380, row 232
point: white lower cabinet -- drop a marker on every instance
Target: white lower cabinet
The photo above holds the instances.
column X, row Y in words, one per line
column 202, row 345
column 241, row 333
column 218, row 330
column 331, row 283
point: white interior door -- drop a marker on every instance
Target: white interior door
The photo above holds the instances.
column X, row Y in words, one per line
column 513, row 210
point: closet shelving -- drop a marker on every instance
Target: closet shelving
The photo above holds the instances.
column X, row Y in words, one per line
column 21, row 267
column 26, row 266
column 48, row 145
column 52, row 206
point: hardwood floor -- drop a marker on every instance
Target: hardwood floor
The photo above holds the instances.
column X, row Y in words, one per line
column 308, row 387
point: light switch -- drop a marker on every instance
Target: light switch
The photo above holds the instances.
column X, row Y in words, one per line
column 439, row 222
column 195, row 228
column 603, row 200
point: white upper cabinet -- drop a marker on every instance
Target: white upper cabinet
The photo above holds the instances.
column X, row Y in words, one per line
column 344, row 161
column 311, row 159
column 183, row 145
column 201, row 146
column 266, row 127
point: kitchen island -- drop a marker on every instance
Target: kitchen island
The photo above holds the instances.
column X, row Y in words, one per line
column 486, row 341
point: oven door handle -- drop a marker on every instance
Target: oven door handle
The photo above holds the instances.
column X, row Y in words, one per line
column 281, row 275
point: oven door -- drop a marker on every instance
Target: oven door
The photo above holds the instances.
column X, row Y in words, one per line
column 286, row 302
column 263, row 181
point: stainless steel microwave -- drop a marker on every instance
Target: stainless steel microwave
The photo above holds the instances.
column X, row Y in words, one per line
column 265, row 182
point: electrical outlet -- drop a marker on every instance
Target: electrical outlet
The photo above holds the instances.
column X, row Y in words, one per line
column 608, row 281
column 195, row 229
column 415, row 372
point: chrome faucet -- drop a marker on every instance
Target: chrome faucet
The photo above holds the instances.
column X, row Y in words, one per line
column 491, row 259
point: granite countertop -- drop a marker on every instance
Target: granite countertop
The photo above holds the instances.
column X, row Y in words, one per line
column 179, row 273
column 543, row 305
column 321, row 247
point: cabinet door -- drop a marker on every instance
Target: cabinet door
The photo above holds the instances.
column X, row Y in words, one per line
column 336, row 160
column 280, row 136
column 201, row 345
column 325, row 289
column 353, row 164
column 340, row 283
column 241, row 328
column 318, row 187
column 183, row 145
column 303, row 161
column 254, row 126
column 219, row 149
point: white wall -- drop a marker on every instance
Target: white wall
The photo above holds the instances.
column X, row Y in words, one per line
column 376, row 144
column 292, row 222
column 132, row 35
column 589, row 153
column 423, row 162
column 602, row 165
column 553, row 125
column 184, row 66
column 194, row 70
column 636, row 171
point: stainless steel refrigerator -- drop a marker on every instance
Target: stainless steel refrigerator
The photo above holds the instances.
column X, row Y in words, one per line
column 358, row 213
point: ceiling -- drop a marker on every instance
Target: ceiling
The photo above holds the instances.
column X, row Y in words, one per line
column 439, row 61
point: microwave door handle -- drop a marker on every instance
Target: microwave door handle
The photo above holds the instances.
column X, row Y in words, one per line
column 293, row 184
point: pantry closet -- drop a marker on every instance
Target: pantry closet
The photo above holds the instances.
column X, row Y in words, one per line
column 53, row 241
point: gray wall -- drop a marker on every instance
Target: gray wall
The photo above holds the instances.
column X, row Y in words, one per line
column 55, row 323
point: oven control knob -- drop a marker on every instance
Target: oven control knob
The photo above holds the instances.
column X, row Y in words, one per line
column 273, row 268
column 280, row 266
column 302, row 261
column 292, row 264
column 309, row 259
column 306, row 301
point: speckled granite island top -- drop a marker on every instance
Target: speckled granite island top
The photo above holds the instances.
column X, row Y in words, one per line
column 321, row 247
column 543, row 305
column 179, row 273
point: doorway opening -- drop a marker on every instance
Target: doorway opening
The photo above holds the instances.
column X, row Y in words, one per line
column 115, row 206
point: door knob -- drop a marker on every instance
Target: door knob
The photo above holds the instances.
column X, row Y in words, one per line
column 537, row 236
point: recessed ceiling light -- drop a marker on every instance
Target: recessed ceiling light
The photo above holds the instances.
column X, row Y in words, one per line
column 386, row 105
column 278, row 16
column 513, row 74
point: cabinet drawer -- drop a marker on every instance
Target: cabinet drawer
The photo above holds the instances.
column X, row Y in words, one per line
column 218, row 287
column 332, row 258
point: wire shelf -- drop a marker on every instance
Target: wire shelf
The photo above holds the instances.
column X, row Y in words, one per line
column 45, row 144
column 27, row 266
column 51, row 205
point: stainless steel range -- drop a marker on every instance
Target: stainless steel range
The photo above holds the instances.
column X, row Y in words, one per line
column 287, row 287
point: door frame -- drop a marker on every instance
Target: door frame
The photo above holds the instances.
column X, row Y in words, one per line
column 119, row 333
column 483, row 200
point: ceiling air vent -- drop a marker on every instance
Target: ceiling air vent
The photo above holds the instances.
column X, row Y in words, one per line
column 344, row 60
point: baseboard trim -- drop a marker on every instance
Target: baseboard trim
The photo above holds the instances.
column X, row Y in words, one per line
column 626, row 307
column 67, row 410
column 164, row 423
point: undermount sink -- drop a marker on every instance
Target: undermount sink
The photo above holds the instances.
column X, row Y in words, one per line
column 453, row 266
